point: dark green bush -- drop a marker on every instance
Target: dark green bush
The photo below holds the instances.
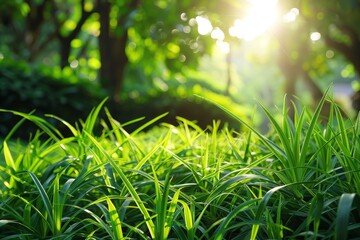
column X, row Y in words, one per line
column 25, row 89
column 191, row 107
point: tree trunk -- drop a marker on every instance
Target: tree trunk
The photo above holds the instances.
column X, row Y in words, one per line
column 104, row 43
column 112, row 50
column 65, row 49
column 291, row 75
column 315, row 91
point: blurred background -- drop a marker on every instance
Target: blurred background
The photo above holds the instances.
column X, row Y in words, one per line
column 148, row 57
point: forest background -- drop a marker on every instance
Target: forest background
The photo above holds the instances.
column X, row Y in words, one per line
column 151, row 57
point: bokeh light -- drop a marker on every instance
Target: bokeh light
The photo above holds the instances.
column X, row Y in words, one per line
column 260, row 17
column 315, row 36
column 204, row 25
column 291, row 15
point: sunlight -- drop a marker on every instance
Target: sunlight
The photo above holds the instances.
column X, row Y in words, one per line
column 218, row 34
column 291, row 15
column 204, row 25
column 261, row 16
column 223, row 46
column 315, row 36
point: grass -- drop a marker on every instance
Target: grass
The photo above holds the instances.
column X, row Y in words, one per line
column 299, row 181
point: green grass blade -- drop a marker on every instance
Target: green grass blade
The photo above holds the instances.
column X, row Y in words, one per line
column 261, row 209
column 221, row 230
column 148, row 123
column 41, row 123
column 114, row 219
column 224, row 186
column 68, row 125
column 92, row 117
column 189, row 221
column 127, row 184
column 8, row 157
column 342, row 216
column 171, row 212
column 13, row 129
column 315, row 211
column 100, row 223
column 309, row 132
column 160, row 208
column 45, row 198
column 279, row 153
column 57, row 206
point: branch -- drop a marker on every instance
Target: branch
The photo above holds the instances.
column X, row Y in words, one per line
column 84, row 16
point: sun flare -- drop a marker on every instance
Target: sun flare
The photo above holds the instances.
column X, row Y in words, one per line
column 260, row 17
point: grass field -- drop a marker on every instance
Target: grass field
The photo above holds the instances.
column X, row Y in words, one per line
column 299, row 181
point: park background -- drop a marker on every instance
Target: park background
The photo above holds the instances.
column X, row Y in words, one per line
column 152, row 57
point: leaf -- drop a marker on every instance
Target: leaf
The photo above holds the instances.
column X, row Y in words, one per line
column 8, row 157
column 171, row 212
column 220, row 232
column 343, row 214
column 114, row 219
column 57, row 206
column 91, row 119
column 127, row 184
column 41, row 123
column 187, row 216
column 44, row 197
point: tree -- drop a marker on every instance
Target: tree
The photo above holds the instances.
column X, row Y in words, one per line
column 50, row 29
column 337, row 21
column 112, row 45
column 163, row 36
column 334, row 22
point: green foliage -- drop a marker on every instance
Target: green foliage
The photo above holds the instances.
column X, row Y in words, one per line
column 182, row 181
column 25, row 89
column 36, row 90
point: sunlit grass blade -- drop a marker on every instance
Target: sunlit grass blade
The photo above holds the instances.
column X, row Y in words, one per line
column 310, row 129
column 228, row 184
column 274, row 148
column 100, row 223
column 150, row 154
column 187, row 165
column 8, row 157
column 343, row 132
column 115, row 128
column 162, row 226
column 114, row 220
column 14, row 128
column 93, row 117
column 67, row 124
column 148, row 123
column 171, row 213
column 189, row 220
column 40, row 122
column 148, row 220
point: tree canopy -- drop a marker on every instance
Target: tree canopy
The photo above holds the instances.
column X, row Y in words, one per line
column 109, row 41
